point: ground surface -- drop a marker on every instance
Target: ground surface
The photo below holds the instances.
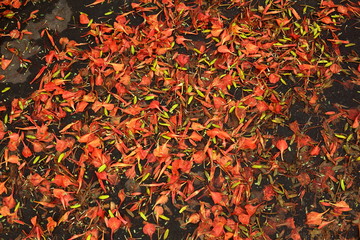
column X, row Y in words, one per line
column 186, row 120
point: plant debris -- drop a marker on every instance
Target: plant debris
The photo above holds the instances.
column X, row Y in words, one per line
column 185, row 120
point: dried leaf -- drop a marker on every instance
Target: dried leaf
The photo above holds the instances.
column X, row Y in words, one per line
column 304, row 179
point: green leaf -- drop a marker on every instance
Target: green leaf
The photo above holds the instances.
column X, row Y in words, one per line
column 102, row 168
column 103, row 197
column 142, row 215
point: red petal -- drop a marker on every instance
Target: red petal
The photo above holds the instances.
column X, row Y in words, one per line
column 282, row 145
column 5, row 63
column 223, row 49
column 84, row 18
column 314, row 218
column 149, row 229
column 274, row 78
column 114, row 224
column 251, row 48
